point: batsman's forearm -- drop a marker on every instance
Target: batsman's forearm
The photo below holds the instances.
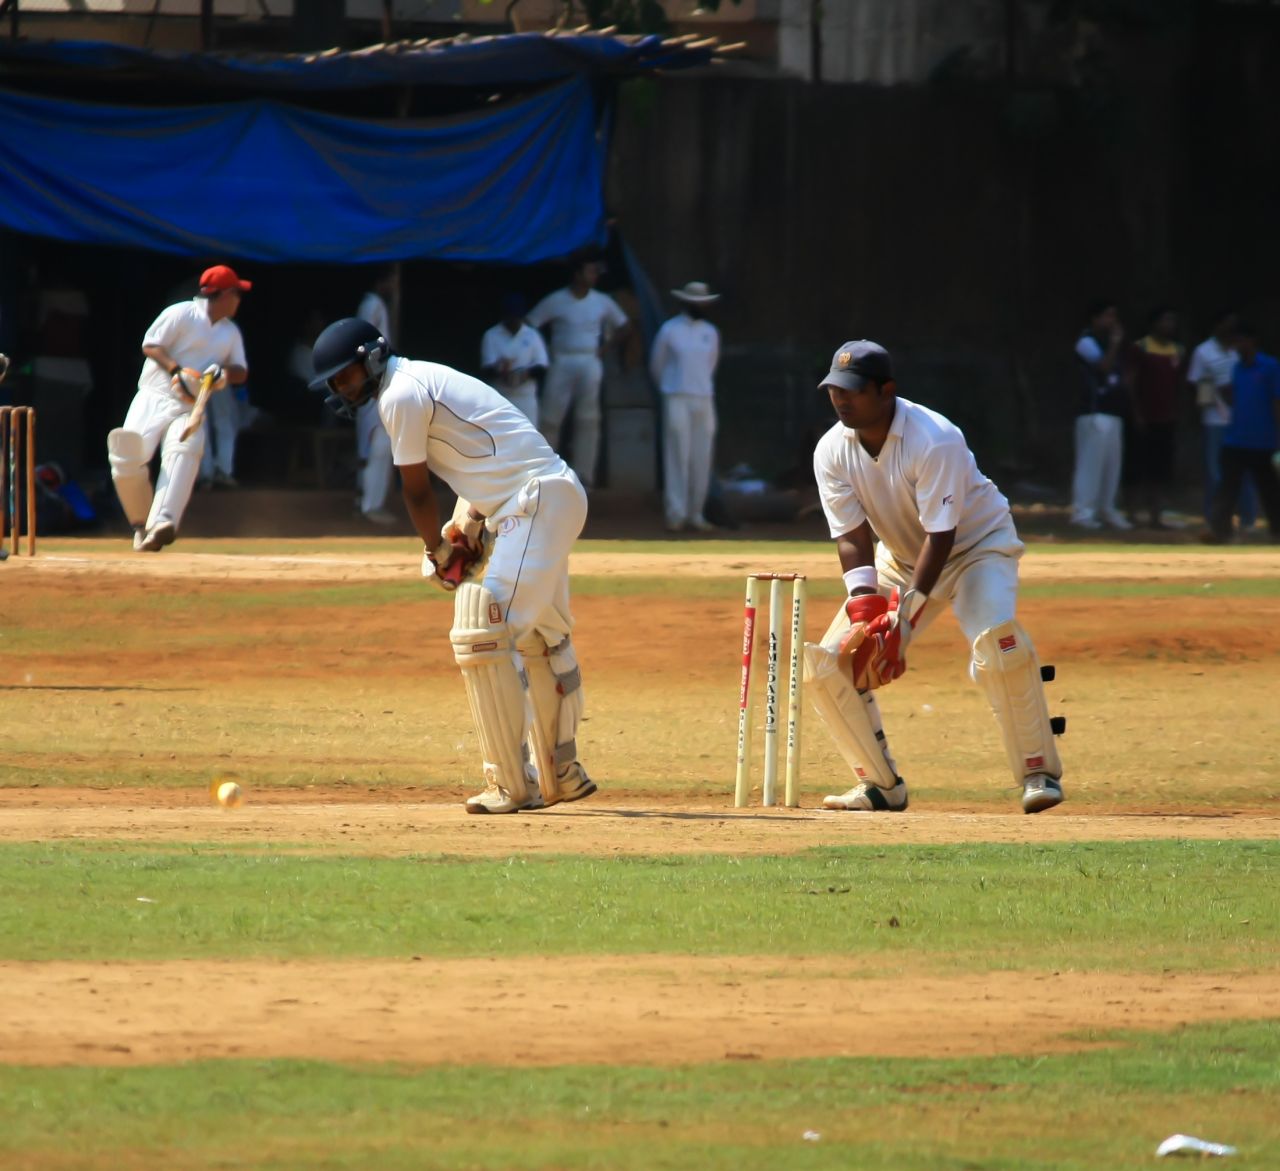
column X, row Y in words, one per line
column 932, row 560
column 425, row 515
column 236, row 375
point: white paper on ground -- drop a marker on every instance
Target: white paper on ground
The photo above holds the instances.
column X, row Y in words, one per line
column 1185, row 1144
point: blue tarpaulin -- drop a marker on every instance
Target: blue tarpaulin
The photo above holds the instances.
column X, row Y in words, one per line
column 517, row 182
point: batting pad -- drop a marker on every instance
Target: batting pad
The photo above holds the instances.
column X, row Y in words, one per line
column 127, row 455
column 495, row 689
column 852, row 718
column 555, row 688
column 1006, row 666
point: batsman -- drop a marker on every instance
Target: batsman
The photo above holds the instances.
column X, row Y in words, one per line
column 504, row 554
column 895, row 470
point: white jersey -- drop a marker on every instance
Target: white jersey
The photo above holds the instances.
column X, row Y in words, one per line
column 192, row 340
column 524, row 351
column 1211, row 360
column 684, row 356
column 925, row 480
column 484, row 448
column 373, row 309
column 578, row 324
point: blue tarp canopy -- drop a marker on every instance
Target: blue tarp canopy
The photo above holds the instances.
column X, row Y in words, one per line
column 514, row 182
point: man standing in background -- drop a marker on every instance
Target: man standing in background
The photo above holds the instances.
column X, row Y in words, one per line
column 1212, row 364
column 1251, row 442
column 1154, row 374
column 512, row 355
column 1099, row 422
column 581, row 320
column 373, row 446
column 683, row 363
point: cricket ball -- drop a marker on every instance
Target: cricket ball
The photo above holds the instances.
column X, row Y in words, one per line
column 229, row 795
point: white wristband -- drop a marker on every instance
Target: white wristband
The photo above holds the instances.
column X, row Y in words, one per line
column 863, row 577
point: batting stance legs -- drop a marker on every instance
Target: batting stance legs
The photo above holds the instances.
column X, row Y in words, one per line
column 153, row 421
column 512, row 641
column 982, row 591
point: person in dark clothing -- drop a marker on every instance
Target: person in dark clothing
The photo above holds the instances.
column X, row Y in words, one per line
column 1099, row 422
column 1154, row 374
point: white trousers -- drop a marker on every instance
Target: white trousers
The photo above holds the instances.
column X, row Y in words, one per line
column 528, row 572
column 688, row 438
column 222, row 425
column 373, row 447
column 1099, row 448
column 573, row 380
column 981, row 587
column 160, row 419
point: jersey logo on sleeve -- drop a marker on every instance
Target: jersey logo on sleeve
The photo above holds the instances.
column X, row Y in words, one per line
column 947, row 499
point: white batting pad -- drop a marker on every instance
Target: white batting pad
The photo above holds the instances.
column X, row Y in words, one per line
column 126, row 453
column 852, row 718
column 495, row 689
column 1006, row 666
column 555, row 689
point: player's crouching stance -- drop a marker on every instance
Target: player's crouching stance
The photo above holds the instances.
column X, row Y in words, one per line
column 504, row 555
column 945, row 535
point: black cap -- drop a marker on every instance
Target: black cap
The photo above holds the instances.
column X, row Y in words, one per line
column 855, row 363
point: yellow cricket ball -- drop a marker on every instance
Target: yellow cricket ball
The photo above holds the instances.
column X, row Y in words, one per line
column 229, row 795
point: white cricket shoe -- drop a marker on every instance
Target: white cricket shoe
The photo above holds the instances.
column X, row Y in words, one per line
column 160, row 534
column 575, row 784
column 1040, row 792
column 497, row 799
column 139, row 535
column 869, row 798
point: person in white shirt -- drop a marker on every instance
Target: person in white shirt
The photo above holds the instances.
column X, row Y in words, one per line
column 581, row 320
column 187, row 340
column 504, row 554
column 1100, row 422
column 1212, row 363
column 683, row 363
column 373, row 448
column 895, row 470
column 513, row 355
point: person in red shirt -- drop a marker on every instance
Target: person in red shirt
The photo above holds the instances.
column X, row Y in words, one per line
column 1154, row 373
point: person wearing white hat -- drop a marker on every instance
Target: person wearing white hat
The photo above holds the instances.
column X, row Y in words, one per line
column 683, row 363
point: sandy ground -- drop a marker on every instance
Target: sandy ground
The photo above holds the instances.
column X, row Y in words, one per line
column 624, row 1010
column 601, row 827
column 1042, row 562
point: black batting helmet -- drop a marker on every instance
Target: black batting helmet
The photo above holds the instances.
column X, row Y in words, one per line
column 339, row 345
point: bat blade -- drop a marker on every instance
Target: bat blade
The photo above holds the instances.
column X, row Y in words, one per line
column 197, row 412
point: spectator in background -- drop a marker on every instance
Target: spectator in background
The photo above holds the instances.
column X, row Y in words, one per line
column 513, row 355
column 373, row 446
column 1210, row 372
column 683, row 363
column 582, row 320
column 1251, row 439
column 1099, row 422
column 1153, row 372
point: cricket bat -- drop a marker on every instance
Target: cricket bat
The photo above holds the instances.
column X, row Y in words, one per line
column 202, row 398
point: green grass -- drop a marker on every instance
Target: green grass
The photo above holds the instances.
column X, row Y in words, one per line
column 1105, row 1108
column 1135, row 906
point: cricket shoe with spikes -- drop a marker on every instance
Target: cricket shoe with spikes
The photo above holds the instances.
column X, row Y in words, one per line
column 869, row 798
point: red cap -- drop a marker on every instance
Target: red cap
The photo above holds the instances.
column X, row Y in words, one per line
column 220, row 278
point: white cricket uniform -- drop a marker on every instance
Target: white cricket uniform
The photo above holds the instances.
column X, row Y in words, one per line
column 1211, row 360
column 524, row 352
column 579, row 326
column 683, row 363
column 373, row 448
column 925, row 480
column 488, row 452
column 159, row 415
